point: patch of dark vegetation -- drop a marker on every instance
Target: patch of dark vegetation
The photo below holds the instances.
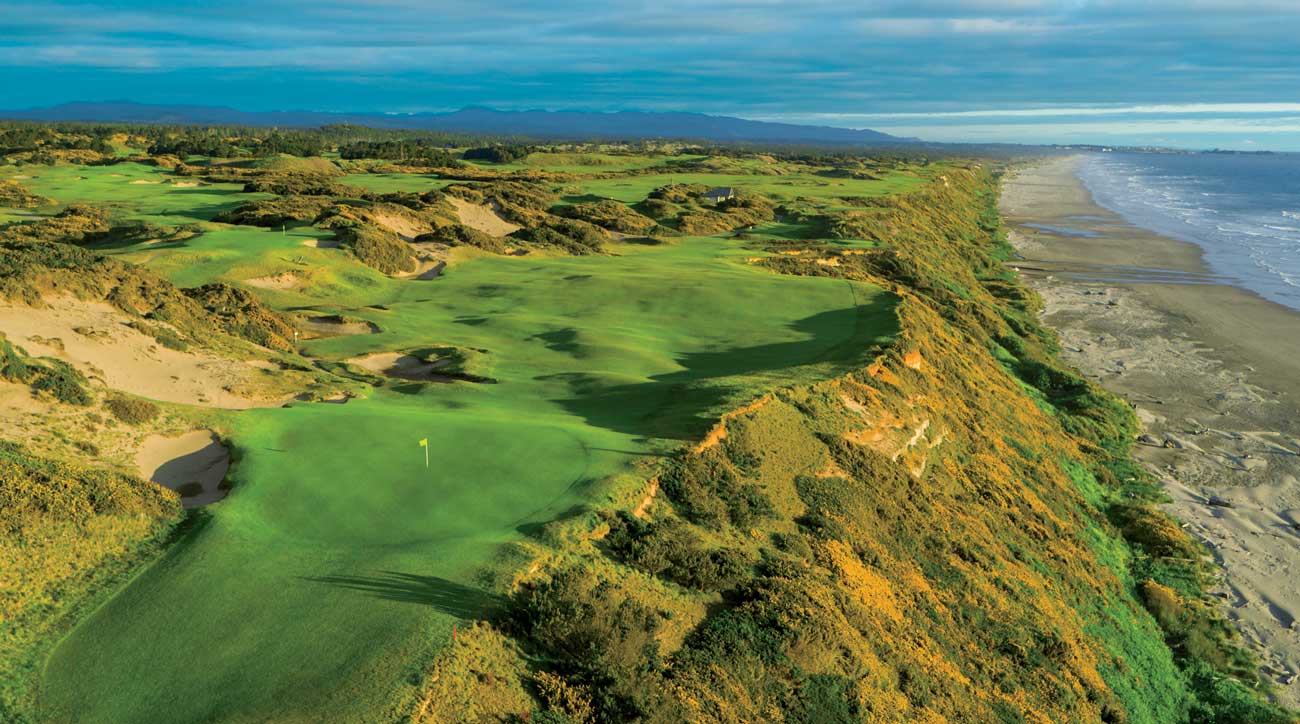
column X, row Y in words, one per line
column 300, row 185
column 682, row 207
column 132, row 410
column 416, row 152
column 378, row 248
column 15, row 195
column 71, row 531
column 611, row 215
column 674, row 551
column 276, row 212
column 568, row 235
column 51, row 377
column 461, row 235
column 498, row 153
column 239, row 313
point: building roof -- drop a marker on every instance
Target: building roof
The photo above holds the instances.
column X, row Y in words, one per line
column 720, row 192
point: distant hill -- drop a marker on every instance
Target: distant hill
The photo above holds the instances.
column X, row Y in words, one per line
column 537, row 124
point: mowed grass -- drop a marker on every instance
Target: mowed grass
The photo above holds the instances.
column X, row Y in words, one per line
column 340, row 563
column 387, row 183
column 136, row 191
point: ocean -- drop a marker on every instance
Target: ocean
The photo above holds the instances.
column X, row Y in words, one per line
column 1242, row 210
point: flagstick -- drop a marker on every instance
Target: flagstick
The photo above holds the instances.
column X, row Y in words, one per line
column 426, row 456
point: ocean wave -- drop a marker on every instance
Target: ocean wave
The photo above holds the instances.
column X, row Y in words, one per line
column 1236, row 215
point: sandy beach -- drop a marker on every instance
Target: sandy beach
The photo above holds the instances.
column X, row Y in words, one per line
column 1213, row 372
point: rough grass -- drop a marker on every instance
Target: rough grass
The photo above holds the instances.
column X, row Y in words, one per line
column 68, row 530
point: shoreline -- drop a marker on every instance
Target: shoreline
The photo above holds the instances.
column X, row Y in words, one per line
column 1213, row 372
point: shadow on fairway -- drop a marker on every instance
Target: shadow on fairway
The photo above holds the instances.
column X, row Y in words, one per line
column 448, row 597
column 683, row 405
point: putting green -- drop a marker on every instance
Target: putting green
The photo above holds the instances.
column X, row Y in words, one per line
column 322, row 585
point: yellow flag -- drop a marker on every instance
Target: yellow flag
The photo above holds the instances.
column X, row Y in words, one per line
column 424, row 442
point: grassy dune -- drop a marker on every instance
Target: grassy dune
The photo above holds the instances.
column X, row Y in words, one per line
column 325, row 583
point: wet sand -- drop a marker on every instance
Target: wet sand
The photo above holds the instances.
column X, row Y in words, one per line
column 1214, row 374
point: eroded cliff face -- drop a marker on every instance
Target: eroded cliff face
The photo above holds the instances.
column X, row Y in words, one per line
column 953, row 533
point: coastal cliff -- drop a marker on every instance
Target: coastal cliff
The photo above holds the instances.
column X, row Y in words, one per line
column 955, row 532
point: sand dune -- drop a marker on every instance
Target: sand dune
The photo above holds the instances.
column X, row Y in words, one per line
column 482, row 218
column 94, row 338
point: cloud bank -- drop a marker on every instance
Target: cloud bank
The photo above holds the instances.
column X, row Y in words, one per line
column 922, row 64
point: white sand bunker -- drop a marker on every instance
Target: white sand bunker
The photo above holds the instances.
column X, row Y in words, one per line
column 283, row 281
column 141, row 182
column 482, row 218
column 399, row 366
column 406, row 228
column 94, row 338
column 321, row 243
column 335, row 326
column 193, row 465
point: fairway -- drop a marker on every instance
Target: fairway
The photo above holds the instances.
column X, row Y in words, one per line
column 339, row 565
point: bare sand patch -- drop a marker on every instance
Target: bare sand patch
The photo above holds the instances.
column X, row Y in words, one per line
column 482, row 218
column 94, row 338
column 283, row 281
column 193, row 465
column 398, row 365
column 406, row 228
column 334, row 326
column 430, row 260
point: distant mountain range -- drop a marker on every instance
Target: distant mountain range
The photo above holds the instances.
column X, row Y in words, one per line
column 534, row 124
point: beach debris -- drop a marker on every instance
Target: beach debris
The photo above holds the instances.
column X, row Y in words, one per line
column 1218, row 502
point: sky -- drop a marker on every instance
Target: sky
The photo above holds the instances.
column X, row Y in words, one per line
column 1183, row 73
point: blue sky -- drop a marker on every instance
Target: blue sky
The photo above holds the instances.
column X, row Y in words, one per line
column 1196, row 73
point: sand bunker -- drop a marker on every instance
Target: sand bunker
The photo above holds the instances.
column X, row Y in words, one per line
column 406, row 228
column 186, row 184
column 193, row 465
column 283, row 281
column 94, row 338
column 425, row 269
column 332, row 326
column 140, row 182
column 399, row 366
column 482, row 218
column 330, row 243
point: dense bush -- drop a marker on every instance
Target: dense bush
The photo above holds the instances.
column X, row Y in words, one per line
column 569, row 235
column 275, row 212
column 610, row 215
column 671, row 550
column 376, row 248
column 410, row 151
column 240, row 313
column 53, row 377
column 461, row 235
column 498, row 153
column 132, row 411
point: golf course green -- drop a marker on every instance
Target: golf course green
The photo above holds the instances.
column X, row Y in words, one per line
column 340, row 563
